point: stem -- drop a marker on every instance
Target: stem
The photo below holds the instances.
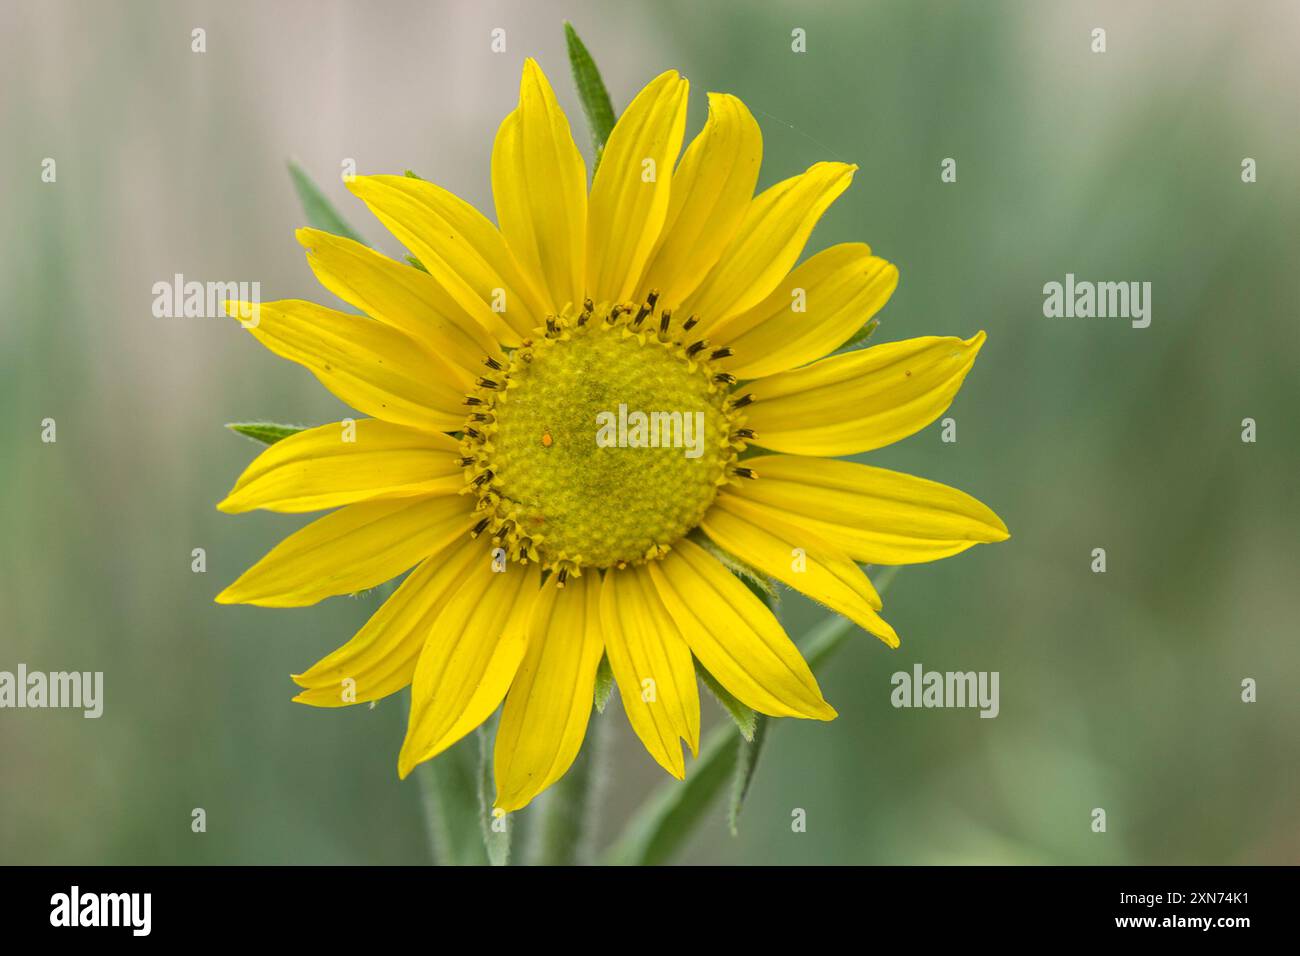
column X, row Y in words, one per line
column 567, row 826
column 449, row 798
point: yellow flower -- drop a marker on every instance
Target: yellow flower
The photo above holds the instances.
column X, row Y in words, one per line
column 536, row 547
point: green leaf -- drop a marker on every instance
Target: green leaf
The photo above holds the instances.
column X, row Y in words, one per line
column 748, row 750
column 449, row 788
column 591, row 93
column 744, row 716
column 665, row 821
column 859, row 338
column 320, row 212
column 746, row 762
column 495, row 842
column 604, row 684
column 266, row 432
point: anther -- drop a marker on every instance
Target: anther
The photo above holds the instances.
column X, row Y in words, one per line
column 480, row 417
column 479, row 528
column 551, row 327
column 474, row 401
column 697, row 347
column 492, row 363
column 615, row 312
column 466, row 462
column 473, row 433
column 487, row 383
column 742, row 401
column 482, row 479
column 725, row 378
column 664, row 319
column 587, row 307
column 745, row 433
column 722, row 353
column 562, row 578
column 745, row 473
column 690, row 323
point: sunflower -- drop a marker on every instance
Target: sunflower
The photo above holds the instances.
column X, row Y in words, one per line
column 483, row 367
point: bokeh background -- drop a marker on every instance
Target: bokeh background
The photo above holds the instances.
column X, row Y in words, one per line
column 1118, row 690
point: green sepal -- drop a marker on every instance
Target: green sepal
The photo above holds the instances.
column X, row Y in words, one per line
column 746, row 763
column 592, row 94
column 745, row 717
column 604, row 684
column 320, row 212
column 859, row 338
column 268, row 433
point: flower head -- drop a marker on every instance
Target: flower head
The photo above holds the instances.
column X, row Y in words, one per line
column 561, row 413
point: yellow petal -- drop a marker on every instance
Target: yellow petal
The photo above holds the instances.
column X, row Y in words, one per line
column 813, row 311
column 380, row 658
column 711, row 189
column 342, row 463
column 462, row 250
column 770, row 239
column 539, row 182
column 369, row 365
column 629, row 197
column 798, row 557
column 402, row 296
column 734, row 636
column 350, row 550
column 550, row 701
column 472, row 654
column 652, row 665
column 874, row 515
column 860, row 400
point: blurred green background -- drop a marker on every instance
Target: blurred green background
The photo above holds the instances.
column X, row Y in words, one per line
column 1118, row 690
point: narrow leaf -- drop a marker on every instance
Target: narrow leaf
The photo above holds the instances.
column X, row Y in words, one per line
column 743, row 715
column 665, row 821
column 496, row 839
column 748, row 749
column 266, row 432
column 746, row 762
column 591, row 93
column 604, row 684
column 859, row 338
column 320, row 212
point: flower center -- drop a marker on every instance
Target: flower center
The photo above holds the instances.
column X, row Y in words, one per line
column 603, row 441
